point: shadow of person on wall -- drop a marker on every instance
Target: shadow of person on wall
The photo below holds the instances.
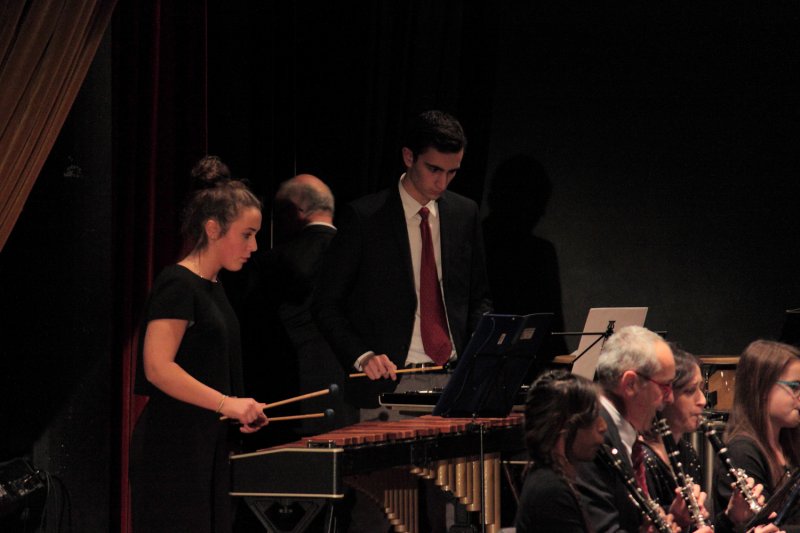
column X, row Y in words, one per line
column 523, row 268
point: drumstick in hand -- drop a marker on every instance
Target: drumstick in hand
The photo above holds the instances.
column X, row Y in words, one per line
column 403, row 371
column 333, row 389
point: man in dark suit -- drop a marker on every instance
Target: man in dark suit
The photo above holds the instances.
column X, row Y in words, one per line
column 404, row 282
column 636, row 369
column 284, row 354
column 367, row 302
column 304, row 207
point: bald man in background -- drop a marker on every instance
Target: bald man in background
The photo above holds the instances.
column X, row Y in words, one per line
column 284, row 353
column 304, row 207
column 303, row 202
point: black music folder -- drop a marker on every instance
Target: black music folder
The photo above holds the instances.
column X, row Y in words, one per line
column 493, row 366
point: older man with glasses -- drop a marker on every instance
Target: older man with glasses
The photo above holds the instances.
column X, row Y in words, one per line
column 636, row 370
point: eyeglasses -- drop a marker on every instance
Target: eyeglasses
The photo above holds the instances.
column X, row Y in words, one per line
column 665, row 388
column 793, row 386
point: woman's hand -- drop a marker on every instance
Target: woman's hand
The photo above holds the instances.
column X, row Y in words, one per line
column 738, row 510
column 247, row 411
column 680, row 510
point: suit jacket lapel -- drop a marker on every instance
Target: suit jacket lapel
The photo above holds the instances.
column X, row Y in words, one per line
column 612, row 436
column 446, row 221
column 397, row 221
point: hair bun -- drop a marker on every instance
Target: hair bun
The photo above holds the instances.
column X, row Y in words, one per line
column 209, row 172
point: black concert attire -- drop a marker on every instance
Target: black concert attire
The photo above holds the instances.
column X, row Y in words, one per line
column 745, row 454
column 303, row 359
column 283, row 352
column 179, row 452
column 548, row 503
column 603, row 495
column 366, row 300
column 660, row 481
column 661, row 484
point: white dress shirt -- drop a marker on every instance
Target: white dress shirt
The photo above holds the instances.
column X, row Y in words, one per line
column 416, row 352
column 627, row 433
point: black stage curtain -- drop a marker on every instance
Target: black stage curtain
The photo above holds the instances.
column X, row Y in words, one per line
column 274, row 89
column 326, row 88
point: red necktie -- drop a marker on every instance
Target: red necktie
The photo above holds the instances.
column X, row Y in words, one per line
column 637, row 459
column 433, row 322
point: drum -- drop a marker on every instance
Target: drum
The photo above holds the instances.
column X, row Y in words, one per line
column 719, row 374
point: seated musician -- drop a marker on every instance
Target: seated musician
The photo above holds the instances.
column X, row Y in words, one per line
column 635, row 370
column 763, row 433
column 562, row 426
column 683, row 416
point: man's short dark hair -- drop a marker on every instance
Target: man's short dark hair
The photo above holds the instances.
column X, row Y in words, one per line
column 435, row 129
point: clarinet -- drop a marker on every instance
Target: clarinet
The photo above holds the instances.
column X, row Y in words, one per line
column 781, row 502
column 646, row 506
column 789, row 504
column 737, row 475
column 685, row 483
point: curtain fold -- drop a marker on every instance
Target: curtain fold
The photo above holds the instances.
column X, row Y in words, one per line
column 160, row 130
column 46, row 48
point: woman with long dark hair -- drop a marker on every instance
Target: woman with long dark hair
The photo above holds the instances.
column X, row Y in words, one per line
column 682, row 417
column 562, row 426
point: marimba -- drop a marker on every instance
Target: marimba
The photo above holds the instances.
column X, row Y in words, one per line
column 384, row 460
column 425, row 401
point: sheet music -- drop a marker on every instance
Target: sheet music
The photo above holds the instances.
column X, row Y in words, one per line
column 597, row 322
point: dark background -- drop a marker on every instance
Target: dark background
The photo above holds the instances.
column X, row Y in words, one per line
column 669, row 134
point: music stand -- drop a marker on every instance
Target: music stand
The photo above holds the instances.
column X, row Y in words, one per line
column 599, row 319
column 493, row 366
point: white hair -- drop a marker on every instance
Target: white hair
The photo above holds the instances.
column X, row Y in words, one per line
column 631, row 348
column 305, row 196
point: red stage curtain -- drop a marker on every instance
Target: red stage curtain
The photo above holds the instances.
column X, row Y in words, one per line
column 160, row 130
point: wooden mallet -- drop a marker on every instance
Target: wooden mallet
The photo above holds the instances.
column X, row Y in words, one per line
column 403, row 371
column 327, row 415
column 332, row 389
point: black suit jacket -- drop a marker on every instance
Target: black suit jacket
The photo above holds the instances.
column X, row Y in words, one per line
column 365, row 298
column 292, row 267
column 284, row 354
column 603, row 495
